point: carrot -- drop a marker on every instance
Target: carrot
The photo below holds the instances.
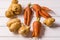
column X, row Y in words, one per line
column 27, row 15
column 41, row 14
column 36, row 7
column 36, row 28
column 37, row 14
column 45, row 13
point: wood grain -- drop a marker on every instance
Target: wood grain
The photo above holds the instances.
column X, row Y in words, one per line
column 52, row 33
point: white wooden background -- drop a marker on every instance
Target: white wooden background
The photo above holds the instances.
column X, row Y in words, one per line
column 49, row 34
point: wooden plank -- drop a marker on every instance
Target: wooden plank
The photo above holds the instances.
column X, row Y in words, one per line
column 53, row 31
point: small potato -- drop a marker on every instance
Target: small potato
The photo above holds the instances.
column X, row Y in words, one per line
column 16, row 7
column 14, row 1
column 9, row 14
column 24, row 30
column 12, row 21
column 49, row 21
column 15, row 26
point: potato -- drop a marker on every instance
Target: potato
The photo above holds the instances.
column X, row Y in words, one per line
column 24, row 30
column 49, row 21
column 9, row 14
column 16, row 8
column 12, row 21
column 15, row 26
column 14, row 1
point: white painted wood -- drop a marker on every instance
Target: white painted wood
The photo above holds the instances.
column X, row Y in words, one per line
column 49, row 34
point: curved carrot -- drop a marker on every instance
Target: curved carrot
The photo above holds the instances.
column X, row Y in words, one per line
column 36, row 7
column 45, row 13
column 27, row 15
column 41, row 14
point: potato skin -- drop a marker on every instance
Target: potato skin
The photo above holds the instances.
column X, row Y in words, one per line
column 9, row 14
column 15, row 26
column 14, row 1
column 24, row 30
column 12, row 21
column 17, row 8
column 49, row 21
column 14, row 9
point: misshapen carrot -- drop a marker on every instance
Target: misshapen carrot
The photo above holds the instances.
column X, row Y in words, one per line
column 27, row 15
column 36, row 7
column 36, row 28
column 42, row 14
column 40, row 11
column 45, row 14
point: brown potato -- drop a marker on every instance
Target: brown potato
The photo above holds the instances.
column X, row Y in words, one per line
column 24, row 30
column 14, row 1
column 16, row 7
column 12, row 21
column 9, row 14
column 15, row 26
column 49, row 21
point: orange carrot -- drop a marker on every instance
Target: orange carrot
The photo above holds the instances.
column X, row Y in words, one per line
column 41, row 14
column 37, row 14
column 36, row 7
column 39, row 11
column 36, row 28
column 27, row 15
column 45, row 13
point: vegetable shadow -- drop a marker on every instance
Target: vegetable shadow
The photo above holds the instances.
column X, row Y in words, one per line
column 55, row 25
column 42, row 31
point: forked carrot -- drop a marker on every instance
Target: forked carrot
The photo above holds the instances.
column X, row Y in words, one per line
column 42, row 14
column 36, row 7
column 27, row 15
